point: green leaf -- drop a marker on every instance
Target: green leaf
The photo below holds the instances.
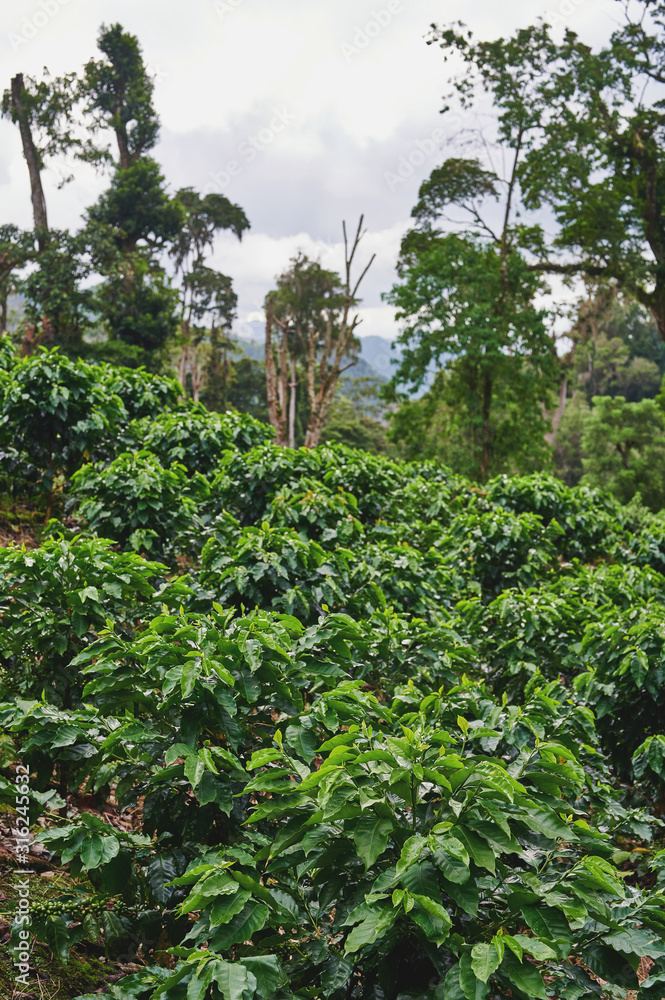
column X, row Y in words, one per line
column 91, row 851
column 451, row 989
column 472, row 987
column 484, row 960
column 303, row 740
column 194, row 769
column 232, row 979
column 481, row 853
column 548, row 922
column 267, row 972
column 57, row 937
column 240, row 928
column 369, row 930
column 534, row 946
column 524, row 976
column 370, row 835
column 226, row 907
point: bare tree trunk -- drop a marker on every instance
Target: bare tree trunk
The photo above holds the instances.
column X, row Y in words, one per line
column 292, row 403
column 197, row 372
column 275, row 389
column 558, row 413
column 33, row 161
column 487, row 409
column 330, row 369
column 183, row 364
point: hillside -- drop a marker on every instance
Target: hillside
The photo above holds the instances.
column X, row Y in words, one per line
column 280, row 718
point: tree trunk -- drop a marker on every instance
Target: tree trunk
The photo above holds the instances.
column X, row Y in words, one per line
column 292, row 404
column 32, row 159
column 487, row 409
column 558, row 413
column 274, row 390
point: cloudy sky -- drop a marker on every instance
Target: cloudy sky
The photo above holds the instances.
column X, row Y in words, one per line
column 304, row 112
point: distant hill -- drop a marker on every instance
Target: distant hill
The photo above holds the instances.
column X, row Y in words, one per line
column 374, row 361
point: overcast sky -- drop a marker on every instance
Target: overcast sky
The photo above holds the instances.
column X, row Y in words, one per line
column 301, row 111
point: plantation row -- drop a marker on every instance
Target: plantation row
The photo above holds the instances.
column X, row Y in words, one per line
column 387, row 734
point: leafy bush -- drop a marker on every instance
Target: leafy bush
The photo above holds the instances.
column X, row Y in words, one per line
column 246, row 483
column 197, row 438
column 8, row 353
column 273, row 568
column 54, row 601
column 352, row 722
column 590, row 520
column 500, row 549
column 56, row 412
column 143, row 393
column 140, row 504
column 317, row 513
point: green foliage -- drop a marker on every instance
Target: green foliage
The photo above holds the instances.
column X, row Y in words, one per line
column 624, row 449
column 143, row 394
column 8, row 353
column 140, row 503
column 382, row 733
column 197, row 438
column 587, row 517
column 56, row 412
column 56, row 599
column 468, row 309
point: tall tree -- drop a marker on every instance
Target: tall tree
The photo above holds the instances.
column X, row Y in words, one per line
column 44, row 111
column 117, row 92
column 467, row 302
column 589, row 129
column 135, row 219
column 313, row 310
column 204, row 292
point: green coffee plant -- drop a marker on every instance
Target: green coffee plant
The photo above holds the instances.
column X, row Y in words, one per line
column 246, row 483
column 143, row 393
column 197, row 438
column 318, row 514
column 142, row 505
column 54, row 601
column 624, row 681
column 57, row 412
column 274, row 568
column 592, row 522
column 8, row 354
column 500, row 549
column 411, row 860
column 371, row 478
